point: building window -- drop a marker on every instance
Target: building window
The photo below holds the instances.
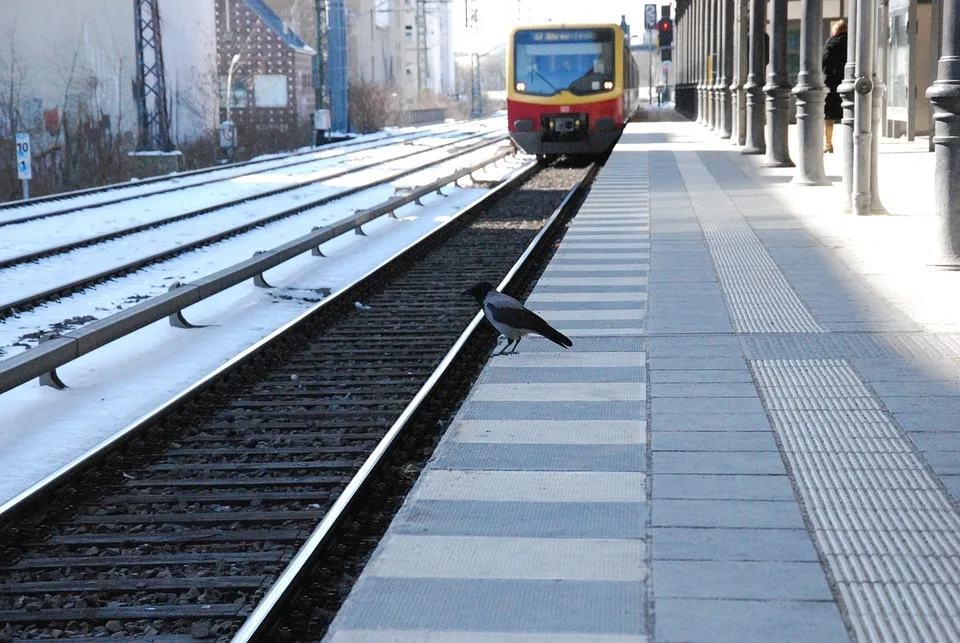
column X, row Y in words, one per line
column 239, row 97
column 409, row 31
column 270, row 90
column 793, row 52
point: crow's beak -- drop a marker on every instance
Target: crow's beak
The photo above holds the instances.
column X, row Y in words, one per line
column 466, row 292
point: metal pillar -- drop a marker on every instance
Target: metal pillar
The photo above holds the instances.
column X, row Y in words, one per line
column 945, row 96
column 862, row 107
column 711, row 64
column 318, row 66
column 741, row 65
column 879, row 90
column 150, row 92
column 701, row 53
column 811, row 93
column 755, row 143
column 726, row 71
column 420, row 24
column 715, row 121
column 846, row 93
column 337, row 77
column 777, row 90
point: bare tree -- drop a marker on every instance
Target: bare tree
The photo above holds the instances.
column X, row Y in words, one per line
column 13, row 74
column 371, row 106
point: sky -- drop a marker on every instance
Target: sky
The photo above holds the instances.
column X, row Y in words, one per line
column 497, row 17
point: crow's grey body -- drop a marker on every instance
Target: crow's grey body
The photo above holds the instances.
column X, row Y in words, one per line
column 512, row 319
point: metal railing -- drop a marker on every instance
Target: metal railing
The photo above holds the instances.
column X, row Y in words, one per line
column 55, row 351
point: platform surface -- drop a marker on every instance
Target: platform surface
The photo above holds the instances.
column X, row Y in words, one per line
column 755, row 436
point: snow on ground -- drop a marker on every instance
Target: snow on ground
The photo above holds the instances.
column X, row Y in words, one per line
column 33, row 236
column 25, row 279
column 266, row 162
column 42, row 429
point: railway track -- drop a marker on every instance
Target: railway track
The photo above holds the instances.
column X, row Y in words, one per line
column 183, row 531
column 195, row 178
column 79, row 283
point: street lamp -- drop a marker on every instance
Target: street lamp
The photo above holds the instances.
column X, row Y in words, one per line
column 233, row 63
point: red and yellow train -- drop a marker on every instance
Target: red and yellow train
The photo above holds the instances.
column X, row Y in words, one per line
column 570, row 88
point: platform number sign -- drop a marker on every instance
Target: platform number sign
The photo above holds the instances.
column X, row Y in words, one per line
column 24, row 164
column 650, row 16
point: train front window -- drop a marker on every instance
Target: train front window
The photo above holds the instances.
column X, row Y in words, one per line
column 547, row 61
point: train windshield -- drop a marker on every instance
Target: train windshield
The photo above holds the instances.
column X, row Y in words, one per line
column 547, row 61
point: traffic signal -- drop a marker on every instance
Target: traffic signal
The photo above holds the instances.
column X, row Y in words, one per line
column 665, row 31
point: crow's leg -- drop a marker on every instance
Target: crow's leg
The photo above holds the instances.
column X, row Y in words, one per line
column 505, row 347
column 515, row 344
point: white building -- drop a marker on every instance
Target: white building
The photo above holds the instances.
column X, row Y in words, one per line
column 78, row 59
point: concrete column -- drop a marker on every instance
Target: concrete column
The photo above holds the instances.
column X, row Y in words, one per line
column 862, row 108
column 846, row 93
column 755, row 143
column 777, row 90
column 726, row 69
column 879, row 90
column 811, row 93
column 945, row 96
column 741, row 56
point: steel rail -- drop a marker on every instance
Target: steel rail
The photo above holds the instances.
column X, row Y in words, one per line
column 265, row 614
column 35, row 299
column 63, row 196
column 58, row 351
column 9, row 262
column 28, row 500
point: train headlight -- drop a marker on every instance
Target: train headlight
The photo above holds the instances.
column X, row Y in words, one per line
column 608, row 84
column 521, row 87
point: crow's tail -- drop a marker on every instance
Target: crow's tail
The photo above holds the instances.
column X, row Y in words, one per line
column 554, row 335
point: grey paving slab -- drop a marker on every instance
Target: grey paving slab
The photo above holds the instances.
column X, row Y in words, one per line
column 606, row 315
column 563, row 375
column 755, row 462
column 737, row 441
column 748, row 621
column 540, row 296
column 494, row 605
column 694, row 421
column 703, row 389
column 617, row 344
column 560, row 392
column 524, row 519
column 744, row 514
column 723, row 486
column 480, row 410
column 476, row 557
column 549, row 431
column 532, row 486
column 674, row 376
column 541, row 457
column 698, row 363
column 570, row 359
column 459, row 636
column 706, row 405
column 724, row 543
column 760, row 581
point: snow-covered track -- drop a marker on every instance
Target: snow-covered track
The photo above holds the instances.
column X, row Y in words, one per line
column 24, row 211
column 67, row 286
column 7, row 262
column 183, row 530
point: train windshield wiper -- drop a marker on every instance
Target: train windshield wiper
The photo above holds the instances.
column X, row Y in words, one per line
column 536, row 71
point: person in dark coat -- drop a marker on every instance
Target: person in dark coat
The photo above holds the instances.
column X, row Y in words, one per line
column 834, row 59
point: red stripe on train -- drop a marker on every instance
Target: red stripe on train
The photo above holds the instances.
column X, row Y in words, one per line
column 517, row 110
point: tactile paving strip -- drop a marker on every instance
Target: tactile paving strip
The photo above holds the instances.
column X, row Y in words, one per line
column 758, row 296
column 890, row 535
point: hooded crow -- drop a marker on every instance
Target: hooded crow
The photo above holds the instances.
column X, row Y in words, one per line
column 511, row 318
